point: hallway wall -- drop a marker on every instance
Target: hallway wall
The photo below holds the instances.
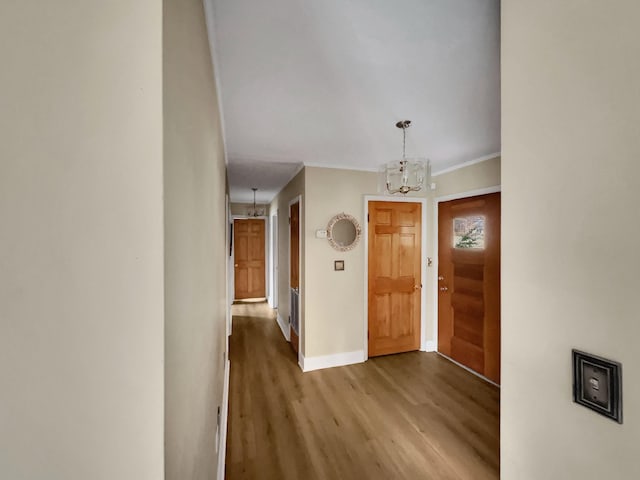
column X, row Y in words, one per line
column 571, row 110
column 334, row 315
column 280, row 204
column 81, row 241
column 195, row 246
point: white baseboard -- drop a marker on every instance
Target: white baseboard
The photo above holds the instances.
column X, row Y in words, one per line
column 470, row 370
column 430, row 346
column 327, row 361
column 224, row 413
column 286, row 331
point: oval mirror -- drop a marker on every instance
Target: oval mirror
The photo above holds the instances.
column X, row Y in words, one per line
column 343, row 232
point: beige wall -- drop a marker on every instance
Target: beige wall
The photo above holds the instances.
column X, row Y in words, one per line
column 334, row 301
column 571, row 110
column 280, row 205
column 81, row 250
column 243, row 208
column 473, row 177
column 195, row 246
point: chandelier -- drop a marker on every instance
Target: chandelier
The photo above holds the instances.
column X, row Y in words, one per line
column 255, row 212
column 409, row 174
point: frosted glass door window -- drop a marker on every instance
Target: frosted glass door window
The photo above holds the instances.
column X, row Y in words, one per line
column 468, row 232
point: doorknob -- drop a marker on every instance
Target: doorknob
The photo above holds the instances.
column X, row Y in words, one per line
column 236, row 265
column 440, row 277
column 417, row 287
column 444, row 289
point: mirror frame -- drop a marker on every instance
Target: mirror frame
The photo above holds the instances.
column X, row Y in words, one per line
column 354, row 222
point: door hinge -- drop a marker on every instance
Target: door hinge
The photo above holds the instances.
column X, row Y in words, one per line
column 289, row 220
column 367, row 217
column 289, row 318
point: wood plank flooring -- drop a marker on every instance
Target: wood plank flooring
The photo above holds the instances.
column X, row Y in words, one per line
column 408, row 416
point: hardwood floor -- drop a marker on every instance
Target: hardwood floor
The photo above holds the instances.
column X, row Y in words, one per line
column 408, row 416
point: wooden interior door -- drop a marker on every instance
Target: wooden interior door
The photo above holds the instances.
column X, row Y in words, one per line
column 249, row 258
column 394, row 284
column 294, row 265
column 469, row 283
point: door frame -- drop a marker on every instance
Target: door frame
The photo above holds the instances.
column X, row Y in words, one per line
column 266, row 254
column 434, row 273
column 231, row 287
column 423, row 264
column 294, row 200
column 273, row 260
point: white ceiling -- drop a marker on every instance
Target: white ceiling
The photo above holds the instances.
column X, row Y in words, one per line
column 323, row 82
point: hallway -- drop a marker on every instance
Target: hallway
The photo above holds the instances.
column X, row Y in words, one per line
column 407, row 416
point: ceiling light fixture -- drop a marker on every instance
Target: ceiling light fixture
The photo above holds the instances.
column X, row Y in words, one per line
column 409, row 174
column 255, row 212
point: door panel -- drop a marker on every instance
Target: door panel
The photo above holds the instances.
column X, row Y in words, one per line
column 294, row 278
column 249, row 256
column 469, row 282
column 295, row 245
column 394, row 283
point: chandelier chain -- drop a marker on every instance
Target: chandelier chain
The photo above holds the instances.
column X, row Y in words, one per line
column 404, row 142
column 407, row 175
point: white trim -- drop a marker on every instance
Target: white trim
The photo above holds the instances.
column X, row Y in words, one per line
column 284, row 327
column 328, row 361
column 430, row 346
column 209, row 18
column 341, row 167
column 273, row 261
column 224, row 414
column 293, row 201
column 469, row 193
column 469, row 370
column 452, row 168
column 468, row 163
column 434, row 273
column 230, row 271
column 296, row 172
column 423, row 264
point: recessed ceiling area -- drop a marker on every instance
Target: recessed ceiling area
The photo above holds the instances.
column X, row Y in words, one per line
column 323, row 82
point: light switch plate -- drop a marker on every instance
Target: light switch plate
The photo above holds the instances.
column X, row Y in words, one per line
column 597, row 384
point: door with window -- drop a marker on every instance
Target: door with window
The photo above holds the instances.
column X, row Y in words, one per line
column 394, row 283
column 249, row 258
column 469, row 282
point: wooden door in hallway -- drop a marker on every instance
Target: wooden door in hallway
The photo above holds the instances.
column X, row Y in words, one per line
column 294, row 274
column 394, row 283
column 469, row 282
column 249, row 258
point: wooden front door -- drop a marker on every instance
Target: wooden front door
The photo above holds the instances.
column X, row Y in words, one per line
column 249, row 258
column 394, row 285
column 294, row 273
column 469, row 283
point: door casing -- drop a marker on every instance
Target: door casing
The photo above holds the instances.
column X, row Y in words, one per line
column 297, row 199
column 273, row 261
column 434, row 273
column 423, row 264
